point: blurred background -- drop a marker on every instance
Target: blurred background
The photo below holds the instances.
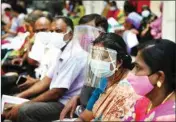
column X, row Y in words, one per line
column 77, row 8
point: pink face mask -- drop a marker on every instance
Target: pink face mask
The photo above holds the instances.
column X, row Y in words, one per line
column 140, row 84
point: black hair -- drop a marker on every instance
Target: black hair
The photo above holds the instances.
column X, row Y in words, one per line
column 100, row 21
column 19, row 9
column 7, row 9
column 67, row 20
column 79, row 2
column 160, row 55
column 128, row 7
column 115, row 42
column 113, row 3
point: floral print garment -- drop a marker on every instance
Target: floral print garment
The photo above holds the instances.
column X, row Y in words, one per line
column 116, row 104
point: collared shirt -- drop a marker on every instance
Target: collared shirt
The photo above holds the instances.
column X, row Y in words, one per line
column 69, row 71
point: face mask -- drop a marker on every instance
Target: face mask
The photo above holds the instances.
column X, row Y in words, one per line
column 43, row 37
column 57, row 40
column 112, row 8
column 101, row 68
column 140, row 84
column 145, row 13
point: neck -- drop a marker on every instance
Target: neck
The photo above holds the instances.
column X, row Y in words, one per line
column 157, row 96
column 120, row 74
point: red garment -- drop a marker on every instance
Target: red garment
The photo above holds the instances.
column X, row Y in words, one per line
column 21, row 29
column 111, row 14
column 139, row 3
column 141, row 108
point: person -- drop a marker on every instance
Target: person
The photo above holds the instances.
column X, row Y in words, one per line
column 106, row 8
column 60, row 25
column 20, row 64
column 95, row 20
column 145, row 29
column 6, row 16
column 156, row 26
column 159, row 77
column 78, row 11
column 109, row 41
column 130, row 33
column 41, row 25
column 19, row 13
column 116, row 13
column 129, row 7
column 64, row 79
column 112, row 77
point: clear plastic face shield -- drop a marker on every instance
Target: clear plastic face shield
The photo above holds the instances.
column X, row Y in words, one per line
column 84, row 35
column 102, row 64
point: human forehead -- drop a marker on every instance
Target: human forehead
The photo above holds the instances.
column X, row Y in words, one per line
column 140, row 60
column 42, row 21
column 60, row 24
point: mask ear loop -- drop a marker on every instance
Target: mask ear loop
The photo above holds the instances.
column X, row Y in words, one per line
column 68, row 31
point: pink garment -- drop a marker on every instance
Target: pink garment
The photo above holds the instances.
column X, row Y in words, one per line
column 165, row 111
column 4, row 42
column 156, row 28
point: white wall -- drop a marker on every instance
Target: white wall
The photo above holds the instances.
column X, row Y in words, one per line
column 168, row 25
column 97, row 6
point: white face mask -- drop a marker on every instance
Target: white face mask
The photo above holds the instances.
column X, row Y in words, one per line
column 145, row 13
column 57, row 40
column 112, row 8
column 43, row 37
column 101, row 68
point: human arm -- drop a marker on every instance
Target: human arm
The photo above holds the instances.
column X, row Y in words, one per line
column 50, row 95
column 86, row 115
column 37, row 88
column 28, row 83
column 70, row 107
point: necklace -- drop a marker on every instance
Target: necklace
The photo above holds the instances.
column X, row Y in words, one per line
column 150, row 105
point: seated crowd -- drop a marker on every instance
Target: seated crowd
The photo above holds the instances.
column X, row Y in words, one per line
column 84, row 72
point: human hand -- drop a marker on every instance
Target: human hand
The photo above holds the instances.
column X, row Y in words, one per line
column 28, row 83
column 69, row 107
column 13, row 113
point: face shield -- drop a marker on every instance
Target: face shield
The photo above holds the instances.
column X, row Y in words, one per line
column 101, row 65
column 84, row 35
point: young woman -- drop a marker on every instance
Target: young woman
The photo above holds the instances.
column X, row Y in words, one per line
column 155, row 62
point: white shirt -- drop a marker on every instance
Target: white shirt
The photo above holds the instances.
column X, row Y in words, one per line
column 46, row 62
column 69, row 71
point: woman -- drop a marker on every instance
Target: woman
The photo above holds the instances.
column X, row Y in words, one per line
column 155, row 62
column 108, row 85
column 130, row 33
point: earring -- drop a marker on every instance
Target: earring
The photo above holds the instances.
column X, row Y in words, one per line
column 158, row 84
